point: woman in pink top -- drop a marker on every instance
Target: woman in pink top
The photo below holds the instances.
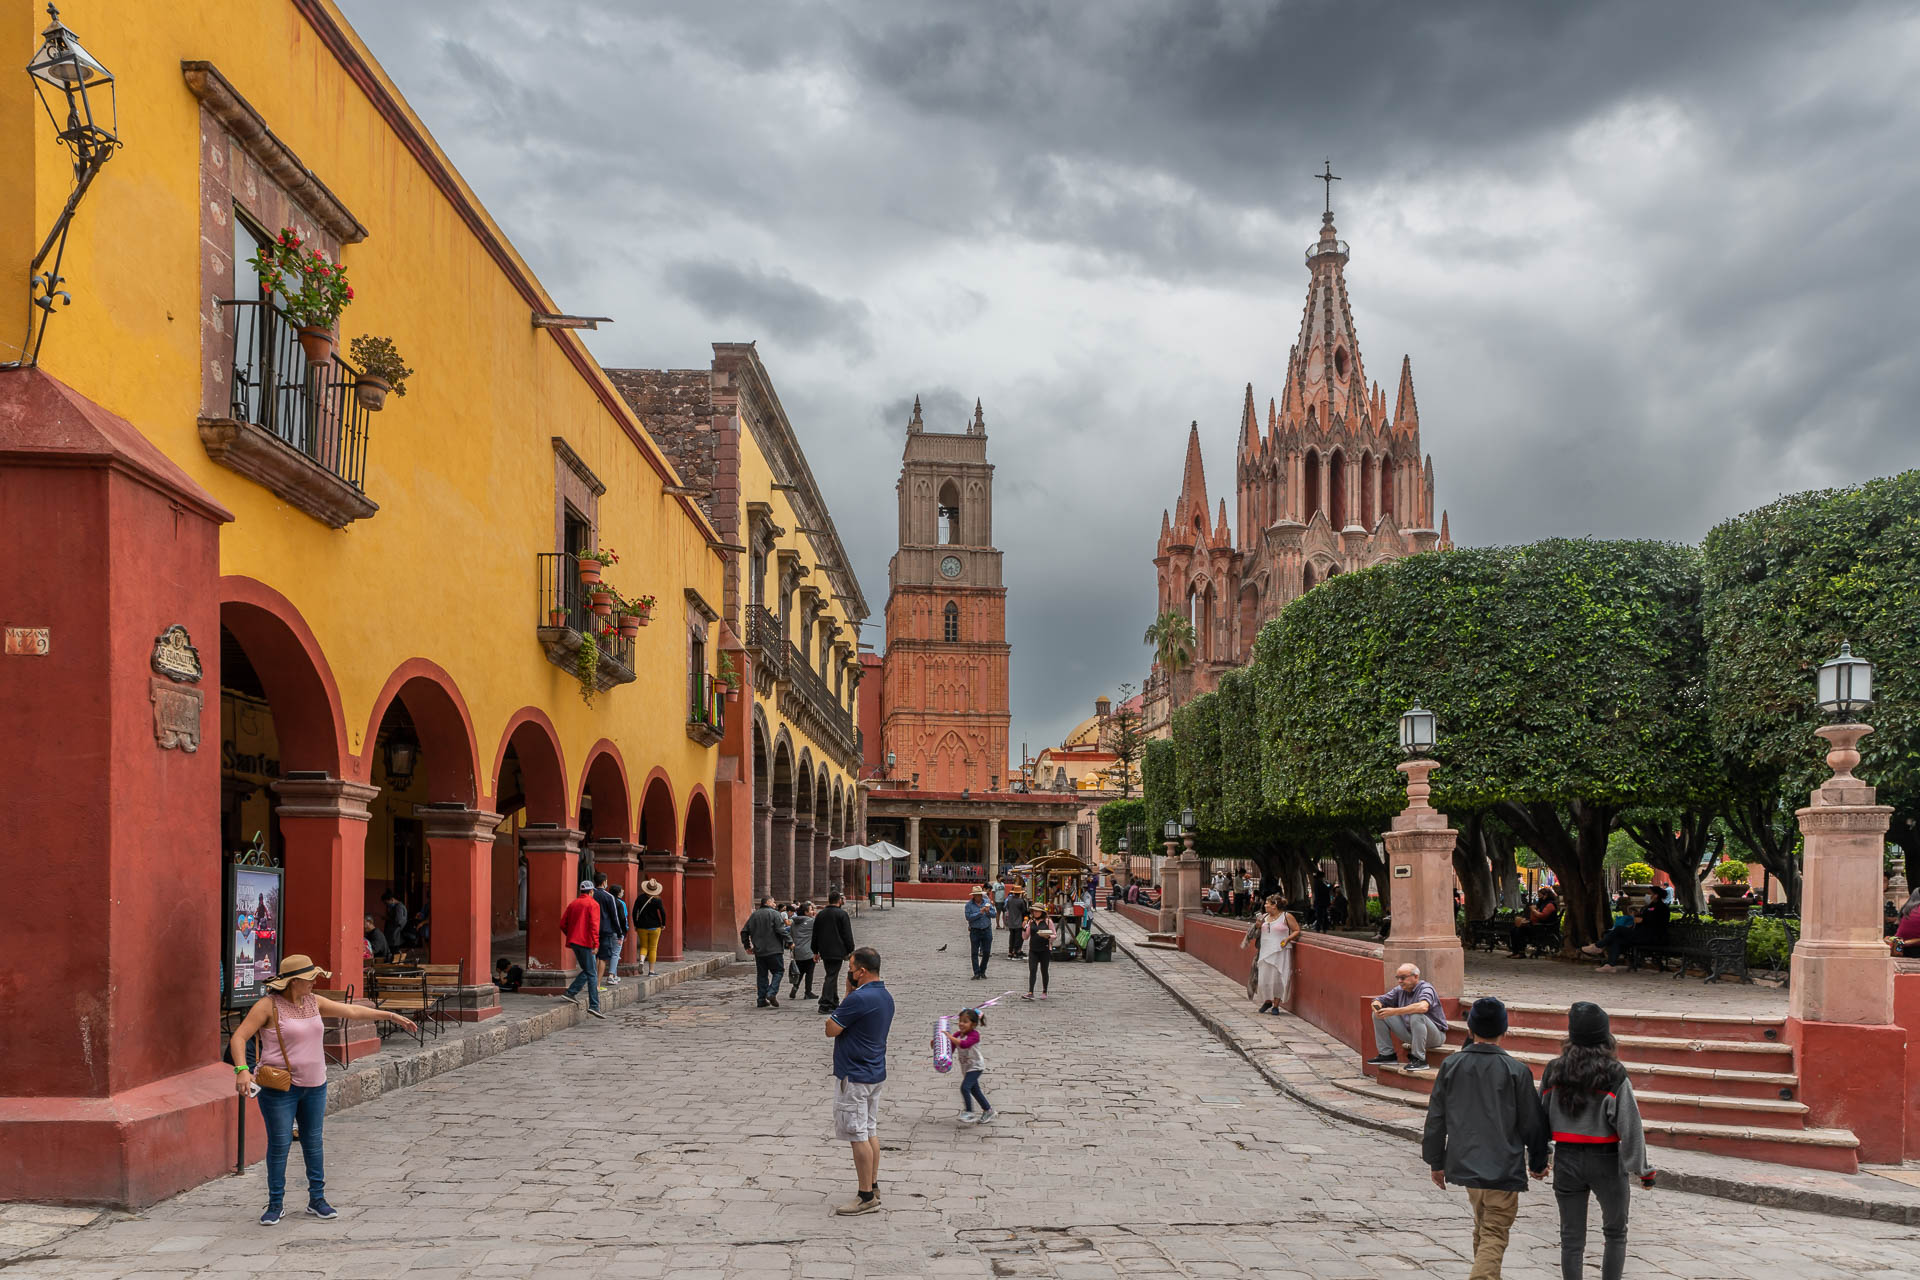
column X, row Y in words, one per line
column 288, row 1020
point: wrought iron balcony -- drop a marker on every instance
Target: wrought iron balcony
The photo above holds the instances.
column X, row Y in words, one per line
column 828, row 720
column 566, row 618
column 769, row 650
column 295, row 427
column 706, row 708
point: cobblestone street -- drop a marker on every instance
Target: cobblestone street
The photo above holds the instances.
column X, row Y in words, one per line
column 689, row 1136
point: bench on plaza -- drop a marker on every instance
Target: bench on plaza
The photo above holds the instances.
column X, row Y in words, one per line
column 1495, row 933
column 1718, row 946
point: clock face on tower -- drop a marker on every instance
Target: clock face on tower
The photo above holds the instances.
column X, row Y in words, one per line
column 950, row 567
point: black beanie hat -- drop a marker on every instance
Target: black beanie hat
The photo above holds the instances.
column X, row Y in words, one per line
column 1487, row 1019
column 1587, row 1024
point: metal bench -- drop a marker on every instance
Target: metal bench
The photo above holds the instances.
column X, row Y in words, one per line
column 1719, row 947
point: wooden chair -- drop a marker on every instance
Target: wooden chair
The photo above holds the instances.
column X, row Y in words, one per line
column 443, row 985
column 407, row 996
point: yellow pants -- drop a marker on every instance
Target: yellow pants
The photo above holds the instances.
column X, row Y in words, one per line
column 648, row 946
column 1493, row 1215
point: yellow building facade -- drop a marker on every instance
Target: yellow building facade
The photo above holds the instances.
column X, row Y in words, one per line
column 244, row 603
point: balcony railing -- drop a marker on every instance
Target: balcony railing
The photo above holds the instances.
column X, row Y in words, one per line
column 763, row 638
column 835, row 719
column 309, row 407
column 706, row 708
column 566, row 618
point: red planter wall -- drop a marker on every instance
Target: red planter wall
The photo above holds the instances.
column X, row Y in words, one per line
column 1217, row 943
column 910, row 891
column 1333, row 979
column 1145, row 917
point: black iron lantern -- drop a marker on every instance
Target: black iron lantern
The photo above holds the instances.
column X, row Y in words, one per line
column 1418, row 729
column 1172, row 830
column 1846, row 685
column 1186, row 820
column 85, row 88
column 1123, row 845
column 403, row 756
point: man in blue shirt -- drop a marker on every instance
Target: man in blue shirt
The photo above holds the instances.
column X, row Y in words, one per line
column 980, row 914
column 858, row 1029
column 1413, row 1010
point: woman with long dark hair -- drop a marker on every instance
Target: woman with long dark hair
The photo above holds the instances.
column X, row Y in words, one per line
column 1597, row 1140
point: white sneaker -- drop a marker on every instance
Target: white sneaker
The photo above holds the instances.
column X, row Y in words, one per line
column 967, row 1117
column 987, row 1115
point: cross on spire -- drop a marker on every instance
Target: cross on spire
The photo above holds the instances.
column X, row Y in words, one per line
column 1329, row 177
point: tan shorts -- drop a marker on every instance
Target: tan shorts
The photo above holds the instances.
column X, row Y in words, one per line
column 856, row 1110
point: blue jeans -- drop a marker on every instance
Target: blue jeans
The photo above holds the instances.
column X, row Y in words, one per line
column 308, row 1104
column 982, row 940
column 768, row 970
column 970, row 1089
column 610, row 952
column 588, row 977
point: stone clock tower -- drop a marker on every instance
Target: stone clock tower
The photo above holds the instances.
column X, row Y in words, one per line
column 944, row 697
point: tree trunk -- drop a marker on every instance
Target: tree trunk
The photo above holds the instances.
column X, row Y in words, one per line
column 1574, row 846
column 1771, row 834
column 1473, row 867
column 1371, row 866
column 1685, row 845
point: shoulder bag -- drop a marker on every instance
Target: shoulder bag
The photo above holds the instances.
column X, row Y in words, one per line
column 278, row 1079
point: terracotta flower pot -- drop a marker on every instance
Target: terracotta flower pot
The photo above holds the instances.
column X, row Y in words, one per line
column 371, row 392
column 645, row 616
column 589, row 569
column 733, row 693
column 603, row 603
column 1730, row 889
column 629, row 625
column 557, row 618
column 317, row 343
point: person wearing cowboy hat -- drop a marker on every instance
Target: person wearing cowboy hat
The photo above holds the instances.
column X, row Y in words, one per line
column 980, row 914
column 649, row 918
column 288, row 1020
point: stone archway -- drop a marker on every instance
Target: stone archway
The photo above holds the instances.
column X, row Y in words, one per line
column 780, row 818
column 534, row 850
column 697, row 843
column 762, row 810
column 803, row 829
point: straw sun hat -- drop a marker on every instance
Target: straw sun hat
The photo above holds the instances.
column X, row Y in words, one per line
column 296, row 967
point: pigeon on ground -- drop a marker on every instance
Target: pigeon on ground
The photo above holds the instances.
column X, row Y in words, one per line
column 943, row 946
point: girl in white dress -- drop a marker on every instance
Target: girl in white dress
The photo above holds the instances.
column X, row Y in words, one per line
column 1273, row 974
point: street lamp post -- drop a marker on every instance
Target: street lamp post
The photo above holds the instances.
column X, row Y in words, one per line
column 1186, row 875
column 1841, row 969
column 1420, row 865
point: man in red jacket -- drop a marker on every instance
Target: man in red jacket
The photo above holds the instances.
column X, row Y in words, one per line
column 580, row 926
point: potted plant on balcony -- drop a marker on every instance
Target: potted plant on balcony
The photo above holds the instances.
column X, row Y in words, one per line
column 586, row 667
column 603, row 596
column 626, row 617
column 556, row 617
column 643, row 609
column 312, row 288
column 381, row 370
column 729, row 675
column 591, row 562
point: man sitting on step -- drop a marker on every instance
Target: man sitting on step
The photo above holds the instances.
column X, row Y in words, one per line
column 1413, row 1012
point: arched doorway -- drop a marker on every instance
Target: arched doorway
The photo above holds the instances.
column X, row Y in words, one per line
column 762, row 810
column 780, row 835
column 697, row 918
column 529, row 790
column 822, row 836
column 293, row 826
column 803, row 815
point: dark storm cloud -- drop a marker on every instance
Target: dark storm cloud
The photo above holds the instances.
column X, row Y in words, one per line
column 797, row 314
column 1654, row 263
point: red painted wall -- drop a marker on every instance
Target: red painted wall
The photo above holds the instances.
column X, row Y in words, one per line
column 1333, row 978
column 1145, row 917
column 908, row 891
column 1217, row 943
column 112, row 1089
column 1906, row 1012
column 1854, row 1077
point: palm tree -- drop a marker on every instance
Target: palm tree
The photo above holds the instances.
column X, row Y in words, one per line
column 1173, row 641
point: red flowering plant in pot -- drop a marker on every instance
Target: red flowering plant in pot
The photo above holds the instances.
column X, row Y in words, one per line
column 604, row 597
column 312, row 289
column 627, row 616
column 381, row 371
column 591, row 562
column 642, row 609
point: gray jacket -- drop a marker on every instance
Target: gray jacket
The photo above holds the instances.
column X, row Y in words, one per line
column 1485, row 1124
column 765, row 933
column 802, row 930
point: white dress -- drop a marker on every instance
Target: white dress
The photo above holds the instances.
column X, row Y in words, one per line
column 1274, row 973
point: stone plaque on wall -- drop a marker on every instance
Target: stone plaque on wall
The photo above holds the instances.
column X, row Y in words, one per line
column 175, row 657
column 176, row 716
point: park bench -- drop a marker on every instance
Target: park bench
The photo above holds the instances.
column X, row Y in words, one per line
column 1719, row 947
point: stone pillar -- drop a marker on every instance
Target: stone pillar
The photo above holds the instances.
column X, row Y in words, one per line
column 698, row 921
column 802, row 859
column 913, row 848
column 553, row 879
column 670, row 869
column 1420, row 864
column 1188, row 871
column 762, row 850
column 781, row 884
column 324, row 824
column 460, row 893
column 1169, row 921
column 1842, row 971
column 822, row 846
column 620, row 862
column 993, row 849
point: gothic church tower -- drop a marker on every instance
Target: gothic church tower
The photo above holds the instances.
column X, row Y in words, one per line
column 945, row 713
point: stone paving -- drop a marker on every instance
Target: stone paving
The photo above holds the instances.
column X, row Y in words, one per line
column 689, row 1137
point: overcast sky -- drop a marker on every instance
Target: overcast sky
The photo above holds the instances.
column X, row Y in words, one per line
column 1655, row 264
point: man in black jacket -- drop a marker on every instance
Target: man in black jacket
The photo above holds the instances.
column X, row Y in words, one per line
column 1485, row 1130
column 766, row 935
column 833, row 943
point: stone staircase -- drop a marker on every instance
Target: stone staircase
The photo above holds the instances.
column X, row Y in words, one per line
column 1163, row 941
column 1721, row 1083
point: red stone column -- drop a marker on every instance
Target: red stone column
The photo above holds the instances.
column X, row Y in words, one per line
column 698, row 879
column 553, row 879
column 460, row 894
column 621, row 863
column 1420, row 862
column 324, row 824
column 670, row 870
column 111, row 1086
column 802, row 860
column 781, row 883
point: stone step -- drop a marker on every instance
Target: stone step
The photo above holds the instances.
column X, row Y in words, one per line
column 1658, row 1022
column 1666, row 1078
column 1836, row 1150
column 1655, row 1104
column 1657, row 1050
